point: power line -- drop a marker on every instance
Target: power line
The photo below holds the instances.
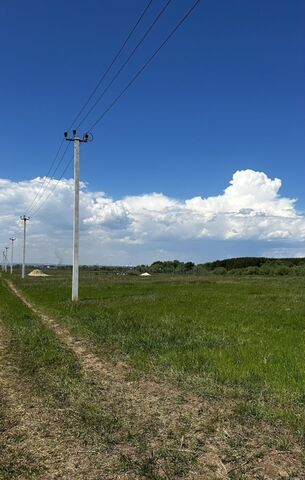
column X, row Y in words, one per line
column 111, row 64
column 125, row 63
column 54, row 188
column 134, row 78
column 48, row 173
column 47, row 180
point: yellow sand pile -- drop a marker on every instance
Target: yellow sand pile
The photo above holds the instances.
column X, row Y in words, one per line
column 37, row 273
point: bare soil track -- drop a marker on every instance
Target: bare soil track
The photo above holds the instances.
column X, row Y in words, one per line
column 33, row 442
column 171, row 434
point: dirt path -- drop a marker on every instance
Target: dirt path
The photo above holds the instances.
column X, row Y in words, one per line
column 33, row 442
column 186, row 436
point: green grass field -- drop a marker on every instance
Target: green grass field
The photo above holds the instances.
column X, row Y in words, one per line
column 240, row 337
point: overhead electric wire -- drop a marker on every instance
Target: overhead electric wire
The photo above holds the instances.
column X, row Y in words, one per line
column 125, row 63
column 135, row 77
column 111, row 64
column 44, row 184
column 130, row 83
column 54, row 188
column 47, row 179
column 48, row 173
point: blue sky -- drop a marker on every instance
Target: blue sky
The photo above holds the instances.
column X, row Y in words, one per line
column 225, row 94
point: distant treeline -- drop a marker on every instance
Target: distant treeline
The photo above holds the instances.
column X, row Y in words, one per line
column 233, row 266
column 245, row 262
column 228, row 266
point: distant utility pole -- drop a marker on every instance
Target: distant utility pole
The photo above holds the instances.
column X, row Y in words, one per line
column 3, row 260
column 24, row 218
column 75, row 269
column 12, row 239
column 5, row 268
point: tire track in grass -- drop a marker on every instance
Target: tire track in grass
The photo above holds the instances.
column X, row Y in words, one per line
column 46, row 430
column 34, row 443
column 169, row 434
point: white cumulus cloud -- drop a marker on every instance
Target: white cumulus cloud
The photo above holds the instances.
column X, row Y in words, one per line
column 143, row 228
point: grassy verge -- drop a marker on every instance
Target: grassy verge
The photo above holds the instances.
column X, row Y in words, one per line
column 100, row 417
column 53, row 373
column 244, row 335
column 38, row 353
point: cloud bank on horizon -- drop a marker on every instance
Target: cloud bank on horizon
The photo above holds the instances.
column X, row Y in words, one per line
column 250, row 217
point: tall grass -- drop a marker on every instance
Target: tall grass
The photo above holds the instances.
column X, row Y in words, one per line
column 245, row 334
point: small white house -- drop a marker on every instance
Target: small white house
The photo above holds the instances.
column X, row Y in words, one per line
column 145, row 274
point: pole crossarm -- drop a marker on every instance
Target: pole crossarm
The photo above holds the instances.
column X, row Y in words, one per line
column 87, row 137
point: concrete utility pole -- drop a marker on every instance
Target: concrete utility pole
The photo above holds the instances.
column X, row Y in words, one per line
column 3, row 260
column 5, row 265
column 24, row 219
column 75, row 269
column 12, row 239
